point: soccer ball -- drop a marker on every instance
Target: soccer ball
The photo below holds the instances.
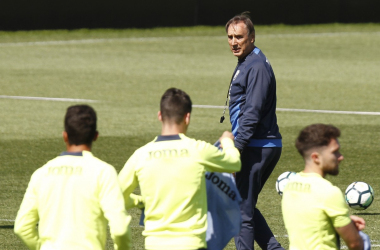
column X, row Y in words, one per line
column 359, row 195
column 282, row 180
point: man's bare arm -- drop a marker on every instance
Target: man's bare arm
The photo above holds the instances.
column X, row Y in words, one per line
column 350, row 235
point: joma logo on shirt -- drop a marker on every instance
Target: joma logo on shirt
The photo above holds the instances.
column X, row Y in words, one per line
column 221, row 185
column 298, row 186
column 168, row 153
column 65, row 170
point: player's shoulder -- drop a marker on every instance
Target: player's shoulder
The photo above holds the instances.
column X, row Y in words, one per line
column 40, row 172
column 333, row 198
column 147, row 147
column 50, row 163
column 89, row 157
column 326, row 184
column 44, row 169
column 327, row 190
column 334, row 190
column 195, row 143
column 316, row 182
column 141, row 153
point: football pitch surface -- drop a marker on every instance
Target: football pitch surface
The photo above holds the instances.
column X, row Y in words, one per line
column 123, row 73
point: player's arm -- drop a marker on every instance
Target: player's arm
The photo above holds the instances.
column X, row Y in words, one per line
column 337, row 210
column 112, row 204
column 351, row 237
column 27, row 218
column 258, row 85
column 227, row 160
column 128, row 182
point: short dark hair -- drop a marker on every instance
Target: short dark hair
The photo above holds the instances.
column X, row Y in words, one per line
column 175, row 104
column 80, row 124
column 314, row 136
column 245, row 18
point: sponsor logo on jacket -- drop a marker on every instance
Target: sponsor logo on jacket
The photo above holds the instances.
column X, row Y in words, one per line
column 221, row 185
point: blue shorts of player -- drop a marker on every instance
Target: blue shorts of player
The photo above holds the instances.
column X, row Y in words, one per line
column 257, row 165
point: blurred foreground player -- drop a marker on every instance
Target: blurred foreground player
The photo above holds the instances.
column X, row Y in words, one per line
column 171, row 173
column 73, row 197
column 314, row 211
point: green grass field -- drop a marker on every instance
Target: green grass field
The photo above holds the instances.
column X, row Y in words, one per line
column 318, row 67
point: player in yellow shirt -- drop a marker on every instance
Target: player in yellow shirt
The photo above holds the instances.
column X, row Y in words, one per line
column 314, row 211
column 171, row 173
column 73, row 197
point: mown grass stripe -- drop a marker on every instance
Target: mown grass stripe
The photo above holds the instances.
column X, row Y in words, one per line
column 46, row 99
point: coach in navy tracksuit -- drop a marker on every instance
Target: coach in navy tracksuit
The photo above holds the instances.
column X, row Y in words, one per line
column 254, row 125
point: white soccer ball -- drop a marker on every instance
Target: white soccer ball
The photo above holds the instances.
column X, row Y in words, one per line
column 359, row 195
column 282, row 180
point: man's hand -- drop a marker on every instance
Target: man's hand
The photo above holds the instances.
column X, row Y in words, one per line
column 358, row 222
column 226, row 134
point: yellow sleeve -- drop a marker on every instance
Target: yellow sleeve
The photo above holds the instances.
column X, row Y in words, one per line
column 336, row 208
column 123, row 242
column 128, row 182
column 112, row 204
column 227, row 160
column 27, row 217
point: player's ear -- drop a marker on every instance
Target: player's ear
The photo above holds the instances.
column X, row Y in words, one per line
column 159, row 116
column 252, row 36
column 315, row 157
column 96, row 136
column 187, row 118
column 65, row 137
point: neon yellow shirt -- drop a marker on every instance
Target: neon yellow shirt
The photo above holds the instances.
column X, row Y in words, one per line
column 72, row 198
column 171, row 173
column 312, row 207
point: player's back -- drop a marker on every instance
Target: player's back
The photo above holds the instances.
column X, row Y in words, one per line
column 69, row 190
column 172, row 180
column 171, row 175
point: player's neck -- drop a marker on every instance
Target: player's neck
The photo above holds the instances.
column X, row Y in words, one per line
column 313, row 168
column 173, row 129
column 78, row 148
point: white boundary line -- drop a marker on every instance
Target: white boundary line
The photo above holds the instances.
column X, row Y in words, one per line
column 46, row 99
column 207, row 106
column 328, row 34
column 7, row 220
column 303, row 110
column 195, row 106
column 152, row 39
column 328, row 111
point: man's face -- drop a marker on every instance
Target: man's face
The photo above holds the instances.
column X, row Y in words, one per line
column 241, row 43
column 331, row 157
